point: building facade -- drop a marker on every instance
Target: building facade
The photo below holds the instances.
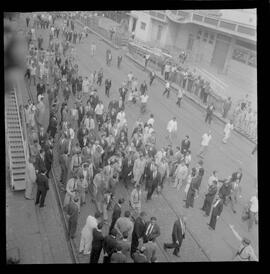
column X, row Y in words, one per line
column 224, row 39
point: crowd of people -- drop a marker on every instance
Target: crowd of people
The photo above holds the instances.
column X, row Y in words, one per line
column 92, row 146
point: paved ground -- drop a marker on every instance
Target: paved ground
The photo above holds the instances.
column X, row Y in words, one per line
column 219, row 244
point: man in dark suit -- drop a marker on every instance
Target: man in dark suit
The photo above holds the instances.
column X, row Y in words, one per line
column 42, row 136
column 185, row 145
column 152, row 230
column 127, row 171
column 178, row 234
column 125, row 244
column 97, row 243
column 42, row 187
column 49, row 159
column 116, row 212
column 80, row 114
column 138, row 232
column 217, row 209
column 40, row 161
column 152, row 182
column 72, row 210
column 63, row 162
column 109, row 246
column 118, row 256
column 209, row 198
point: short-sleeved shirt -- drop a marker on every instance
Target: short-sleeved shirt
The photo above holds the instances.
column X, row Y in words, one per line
column 206, row 139
column 144, row 98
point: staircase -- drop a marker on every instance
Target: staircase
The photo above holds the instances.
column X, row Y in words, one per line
column 15, row 142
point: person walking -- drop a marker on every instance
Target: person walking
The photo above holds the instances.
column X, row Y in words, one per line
column 152, row 230
column 109, row 246
column 30, row 179
column 87, row 233
column 209, row 198
column 146, row 60
column 180, row 96
column 178, row 235
column 119, row 60
column 216, row 211
column 181, row 173
column 172, row 129
column 93, row 49
column 42, row 187
column 144, row 99
column 206, row 138
column 138, row 232
column 253, row 211
column 167, row 89
column 152, row 77
column 136, row 198
column 108, row 84
column 209, row 113
column 72, row 211
column 245, row 251
column 152, row 182
column 226, row 107
column 124, row 225
column 116, row 212
column 97, row 243
column 227, row 131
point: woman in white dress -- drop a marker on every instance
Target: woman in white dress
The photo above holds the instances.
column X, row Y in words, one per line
column 227, row 131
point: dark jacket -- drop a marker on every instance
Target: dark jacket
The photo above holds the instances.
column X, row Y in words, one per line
column 139, row 229
column 42, row 182
column 98, row 240
column 118, row 257
column 40, row 163
column 48, row 159
column 109, row 245
column 177, row 233
column 185, row 146
column 153, row 182
column 154, row 233
column 116, row 213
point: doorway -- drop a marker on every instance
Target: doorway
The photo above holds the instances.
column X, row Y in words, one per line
column 134, row 24
column 220, row 54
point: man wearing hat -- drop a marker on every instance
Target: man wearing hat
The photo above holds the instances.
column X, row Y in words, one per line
column 42, row 187
column 245, row 251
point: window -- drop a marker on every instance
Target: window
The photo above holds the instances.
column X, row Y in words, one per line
column 205, row 36
column 211, row 38
column 143, row 25
column 252, row 60
column 240, row 55
column 199, row 34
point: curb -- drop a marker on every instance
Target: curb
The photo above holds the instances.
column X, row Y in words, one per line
column 189, row 97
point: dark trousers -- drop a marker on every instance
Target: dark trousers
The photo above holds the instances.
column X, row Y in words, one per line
column 150, row 192
column 99, row 81
column 178, row 101
column 166, row 91
column 207, row 206
column 107, row 91
column 166, row 76
column 175, row 246
column 151, row 80
column 208, row 118
column 95, row 254
column 118, row 64
column 213, row 221
column 134, row 245
column 41, row 194
column 190, row 198
column 72, row 227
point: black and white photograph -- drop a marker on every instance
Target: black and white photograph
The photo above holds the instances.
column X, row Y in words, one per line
column 131, row 136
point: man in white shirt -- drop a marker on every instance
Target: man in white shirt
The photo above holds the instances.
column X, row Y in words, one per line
column 146, row 59
column 130, row 77
column 151, row 120
column 172, row 129
column 204, row 144
column 227, row 131
column 167, row 89
column 99, row 113
column 121, row 116
column 93, row 49
column 144, row 99
column 180, row 175
column 253, row 210
column 212, row 178
column 179, row 96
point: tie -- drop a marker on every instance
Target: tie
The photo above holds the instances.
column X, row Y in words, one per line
column 216, row 203
column 183, row 227
column 149, row 229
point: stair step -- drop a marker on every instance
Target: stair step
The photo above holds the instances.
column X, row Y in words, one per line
column 18, row 178
column 18, row 169
column 19, row 165
column 17, row 162
column 17, row 157
column 18, row 173
column 16, row 141
column 12, row 151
